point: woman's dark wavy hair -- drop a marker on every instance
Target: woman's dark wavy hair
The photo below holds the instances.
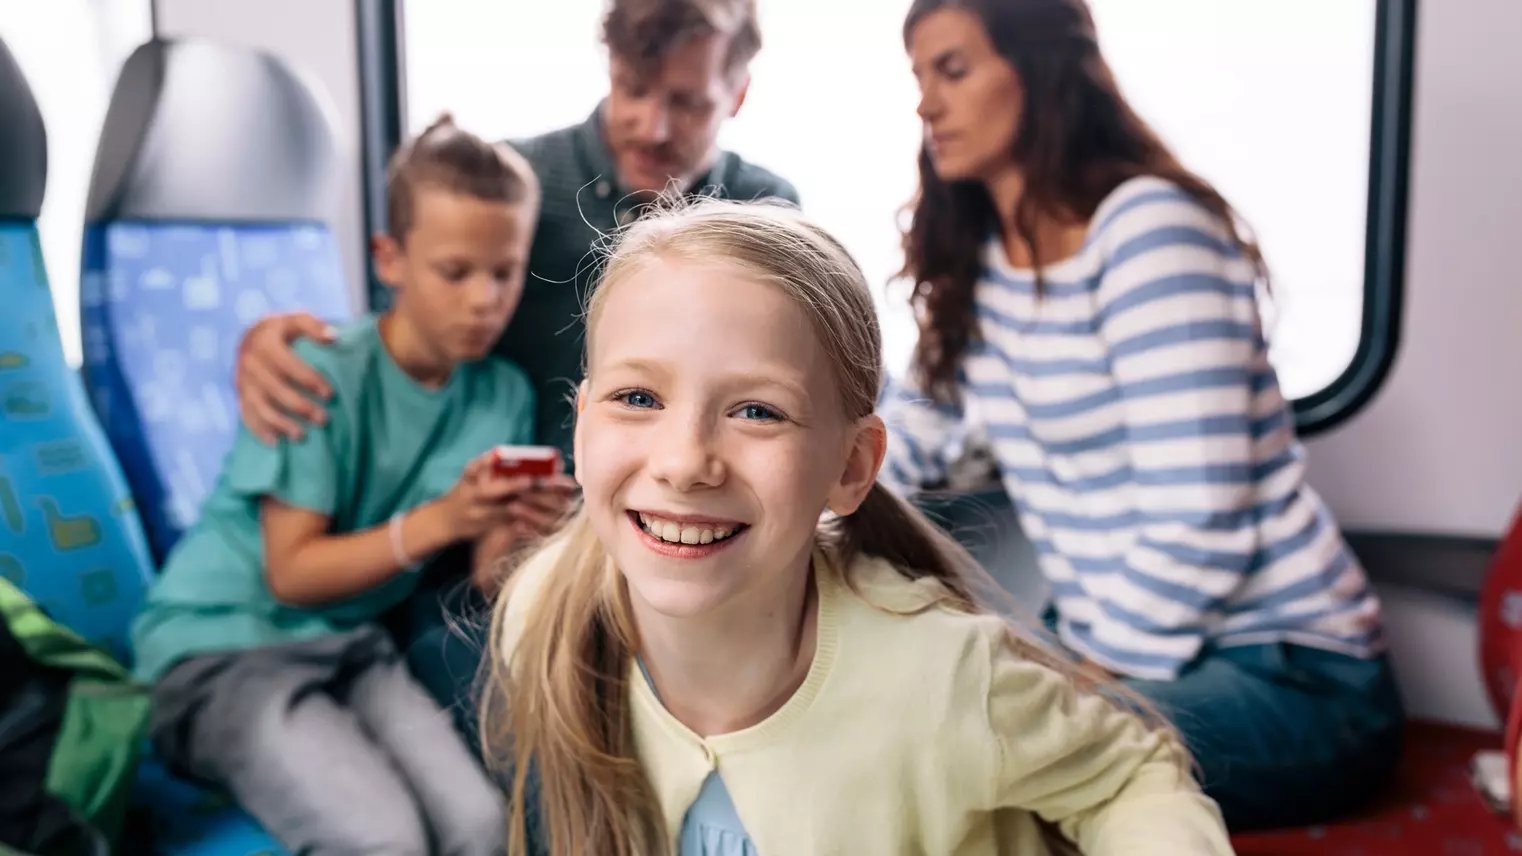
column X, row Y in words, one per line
column 1078, row 141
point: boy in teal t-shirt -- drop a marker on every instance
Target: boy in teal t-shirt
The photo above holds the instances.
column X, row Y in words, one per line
column 272, row 676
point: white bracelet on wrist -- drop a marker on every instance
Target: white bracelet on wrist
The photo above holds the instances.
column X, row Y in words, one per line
column 398, row 550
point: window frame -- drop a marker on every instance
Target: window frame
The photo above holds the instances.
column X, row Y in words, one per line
column 1385, row 229
column 383, row 110
column 382, row 57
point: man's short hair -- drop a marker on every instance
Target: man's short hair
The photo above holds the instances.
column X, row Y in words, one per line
column 643, row 32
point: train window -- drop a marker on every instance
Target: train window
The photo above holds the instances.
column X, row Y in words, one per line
column 1274, row 101
column 1297, row 111
column 70, row 52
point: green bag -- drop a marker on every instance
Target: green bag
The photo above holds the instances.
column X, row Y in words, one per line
column 96, row 716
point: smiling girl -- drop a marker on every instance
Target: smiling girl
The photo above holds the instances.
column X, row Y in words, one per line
column 742, row 644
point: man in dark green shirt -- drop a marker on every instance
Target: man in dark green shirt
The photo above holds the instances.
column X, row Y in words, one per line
column 584, row 200
column 678, row 71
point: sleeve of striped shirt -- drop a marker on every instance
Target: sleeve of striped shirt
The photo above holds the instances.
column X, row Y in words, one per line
column 1179, row 318
column 924, row 437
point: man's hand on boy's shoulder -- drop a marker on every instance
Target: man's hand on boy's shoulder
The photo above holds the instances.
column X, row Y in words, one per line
column 274, row 384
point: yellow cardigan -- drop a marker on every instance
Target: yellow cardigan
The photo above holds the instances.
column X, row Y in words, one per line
column 922, row 734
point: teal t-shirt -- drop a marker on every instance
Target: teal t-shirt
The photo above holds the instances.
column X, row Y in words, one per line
column 389, row 445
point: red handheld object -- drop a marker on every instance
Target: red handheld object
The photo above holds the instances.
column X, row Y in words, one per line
column 536, row 461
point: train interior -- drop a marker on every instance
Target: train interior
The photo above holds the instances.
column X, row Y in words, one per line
column 171, row 171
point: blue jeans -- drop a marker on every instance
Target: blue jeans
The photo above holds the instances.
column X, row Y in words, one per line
column 1285, row 735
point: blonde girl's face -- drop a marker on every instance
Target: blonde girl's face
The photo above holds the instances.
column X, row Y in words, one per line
column 711, row 436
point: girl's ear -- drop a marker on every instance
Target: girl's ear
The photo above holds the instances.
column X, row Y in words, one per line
column 581, row 405
column 864, row 457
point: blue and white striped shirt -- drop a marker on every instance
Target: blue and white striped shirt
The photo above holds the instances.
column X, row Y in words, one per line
column 1141, row 432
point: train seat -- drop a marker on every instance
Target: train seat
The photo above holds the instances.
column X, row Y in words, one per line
column 214, row 178
column 1433, row 806
column 69, row 534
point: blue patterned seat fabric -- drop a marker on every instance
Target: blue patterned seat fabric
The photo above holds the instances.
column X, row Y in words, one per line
column 204, row 215
column 190, row 821
column 163, row 308
column 69, row 534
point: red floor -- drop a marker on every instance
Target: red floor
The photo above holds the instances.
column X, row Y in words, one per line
column 1432, row 809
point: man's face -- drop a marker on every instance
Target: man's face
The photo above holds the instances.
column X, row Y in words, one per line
column 664, row 124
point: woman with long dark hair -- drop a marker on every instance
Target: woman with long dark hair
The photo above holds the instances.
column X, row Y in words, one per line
column 1090, row 305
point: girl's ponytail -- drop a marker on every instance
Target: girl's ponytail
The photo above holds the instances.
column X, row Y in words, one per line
column 556, row 709
column 889, row 527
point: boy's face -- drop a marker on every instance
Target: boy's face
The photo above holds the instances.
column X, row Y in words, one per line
column 458, row 274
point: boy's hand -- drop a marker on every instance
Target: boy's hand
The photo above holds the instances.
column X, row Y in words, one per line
column 273, row 383
column 539, row 510
column 486, row 566
column 481, row 500
column 534, row 514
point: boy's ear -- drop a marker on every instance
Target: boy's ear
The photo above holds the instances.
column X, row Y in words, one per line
column 387, row 254
column 864, row 457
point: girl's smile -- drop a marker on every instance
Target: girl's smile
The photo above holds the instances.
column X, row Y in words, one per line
column 680, row 537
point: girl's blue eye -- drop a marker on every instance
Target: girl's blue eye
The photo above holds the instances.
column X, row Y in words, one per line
column 760, row 413
column 637, row 398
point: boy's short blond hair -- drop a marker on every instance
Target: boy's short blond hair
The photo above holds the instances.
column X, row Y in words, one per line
column 449, row 158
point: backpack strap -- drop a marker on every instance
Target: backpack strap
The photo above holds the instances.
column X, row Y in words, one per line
column 49, row 643
column 99, row 735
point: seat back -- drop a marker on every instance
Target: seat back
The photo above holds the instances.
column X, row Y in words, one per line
column 69, row 534
column 1500, row 630
column 214, row 178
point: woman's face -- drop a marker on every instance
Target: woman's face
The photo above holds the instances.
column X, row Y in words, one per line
column 970, row 96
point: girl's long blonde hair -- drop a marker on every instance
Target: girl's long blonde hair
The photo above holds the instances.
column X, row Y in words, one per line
column 557, row 702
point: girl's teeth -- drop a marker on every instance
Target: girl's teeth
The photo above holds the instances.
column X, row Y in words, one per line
column 668, row 531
